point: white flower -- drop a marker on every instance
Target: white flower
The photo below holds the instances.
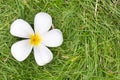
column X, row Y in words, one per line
column 38, row 39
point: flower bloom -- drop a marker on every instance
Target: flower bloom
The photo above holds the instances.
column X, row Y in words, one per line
column 38, row 40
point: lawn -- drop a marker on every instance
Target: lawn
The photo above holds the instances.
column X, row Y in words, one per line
column 91, row 47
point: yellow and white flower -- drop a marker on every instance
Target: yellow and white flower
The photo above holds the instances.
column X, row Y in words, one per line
column 38, row 40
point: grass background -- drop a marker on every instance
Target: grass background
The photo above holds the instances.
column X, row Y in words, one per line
column 91, row 47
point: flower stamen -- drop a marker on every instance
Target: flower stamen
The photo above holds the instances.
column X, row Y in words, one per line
column 35, row 39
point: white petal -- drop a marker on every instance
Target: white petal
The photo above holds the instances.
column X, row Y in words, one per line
column 21, row 28
column 42, row 55
column 53, row 38
column 42, row 22
column 21, row 50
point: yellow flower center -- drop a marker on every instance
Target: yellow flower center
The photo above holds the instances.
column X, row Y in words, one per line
column 35, row 39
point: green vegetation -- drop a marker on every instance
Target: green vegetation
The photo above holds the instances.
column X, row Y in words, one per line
column 91, row 47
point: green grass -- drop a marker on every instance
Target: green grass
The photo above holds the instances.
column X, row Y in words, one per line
column 91, row 47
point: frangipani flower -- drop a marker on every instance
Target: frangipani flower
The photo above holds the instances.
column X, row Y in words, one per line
column 38, row 40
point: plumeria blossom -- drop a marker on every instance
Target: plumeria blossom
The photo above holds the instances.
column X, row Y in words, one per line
column 38, row 39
